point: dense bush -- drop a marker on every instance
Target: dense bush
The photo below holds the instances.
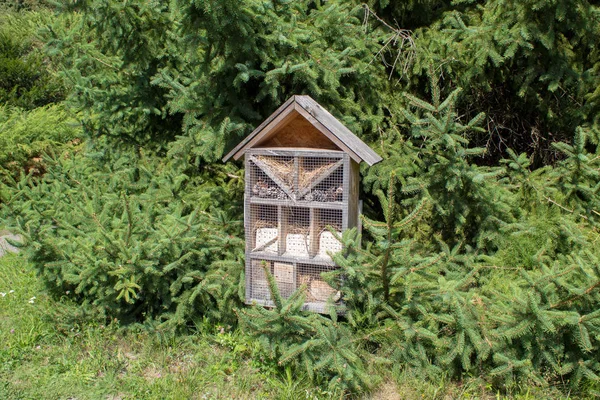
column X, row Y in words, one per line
column 131, row 236
column 26, row 135
column 32, row 120
column 475, row 260
column 27, row 78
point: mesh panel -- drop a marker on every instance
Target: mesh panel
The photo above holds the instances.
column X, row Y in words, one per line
column 285, row 277
column 328, row 189
column 272, row 177
column 328, row 226
column 317, row 290
column 284, row 274
column 297, row 226
column 258, row 280
column 288, row 229
column 320, row 179
column 264, row 225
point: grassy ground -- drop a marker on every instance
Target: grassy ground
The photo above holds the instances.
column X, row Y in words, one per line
column 47, row 354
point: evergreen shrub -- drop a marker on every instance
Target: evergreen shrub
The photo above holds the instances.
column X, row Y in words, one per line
column 130, row 235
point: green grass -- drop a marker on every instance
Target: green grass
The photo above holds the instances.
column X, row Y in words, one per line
column 47, row 353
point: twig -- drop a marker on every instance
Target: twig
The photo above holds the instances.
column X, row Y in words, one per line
column 400, row 38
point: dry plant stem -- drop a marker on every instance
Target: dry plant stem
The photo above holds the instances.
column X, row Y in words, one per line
column 295, row 229
column 263, row 246
column 307, row 176
column 400, row 38
column 285, row 171
column 260, row 223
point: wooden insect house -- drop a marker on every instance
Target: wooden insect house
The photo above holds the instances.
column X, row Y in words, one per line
column 302, row 183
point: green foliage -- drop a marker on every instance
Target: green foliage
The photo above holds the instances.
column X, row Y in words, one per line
column 467, row 267
column 252, row 57
column 144, row 72
column 117, row 230
column 578, row 176
column 467, row 203
column 389, row 248
column 458, row 314
column 27, row 79
column 109, row 52
column 26, row 135
column 322, row 348
column 530, row 65
column 91, row 359
column 22, row 5
column 512, row 310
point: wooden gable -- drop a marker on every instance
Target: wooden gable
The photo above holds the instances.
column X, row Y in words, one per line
column 302, row 123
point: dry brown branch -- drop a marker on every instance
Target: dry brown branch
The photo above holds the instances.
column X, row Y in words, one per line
column 400, row 44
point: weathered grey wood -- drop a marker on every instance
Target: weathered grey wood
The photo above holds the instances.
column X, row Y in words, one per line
column 352, row 152
column 345, row 193
column 353, row 191
column 331, row 205
column 313, row 246
column 285, row 107
column 326, row 123
column 320, row 178
column 248, row 231
column 322, row 262
column 295, row 276
column 338, row 129
column 295, row 152
column 296, row 174
column 325, row 131
column 282, row 229
column 265, row 168
column 318, row 307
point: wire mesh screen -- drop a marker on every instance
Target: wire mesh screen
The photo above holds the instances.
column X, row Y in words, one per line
column 272, row 177
column 265, row 233
column 285, row 276
column 289, row 230
column 329, row 229
column 259, row 286
column 320, row 179
column 296, row 224
column 328, row 188
column 283, row 273
column 317, row 290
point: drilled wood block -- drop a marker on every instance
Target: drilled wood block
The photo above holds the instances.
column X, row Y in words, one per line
column 297, row 244
column 266, row 239
column 284, row 273
column 329, row 244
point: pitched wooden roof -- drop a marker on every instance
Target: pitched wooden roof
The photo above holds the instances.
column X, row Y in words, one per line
column 320, row 118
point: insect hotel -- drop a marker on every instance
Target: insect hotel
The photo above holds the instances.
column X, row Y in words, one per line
column 302, row 184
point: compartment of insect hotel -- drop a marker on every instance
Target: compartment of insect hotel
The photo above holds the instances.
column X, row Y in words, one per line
column 321, row 179
column 328, row 232
column 317, row 291
column 265, row 228
column 301, row 194
column 283, row 273
column 271, row 177
column 296, row 228
column 257, row 278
